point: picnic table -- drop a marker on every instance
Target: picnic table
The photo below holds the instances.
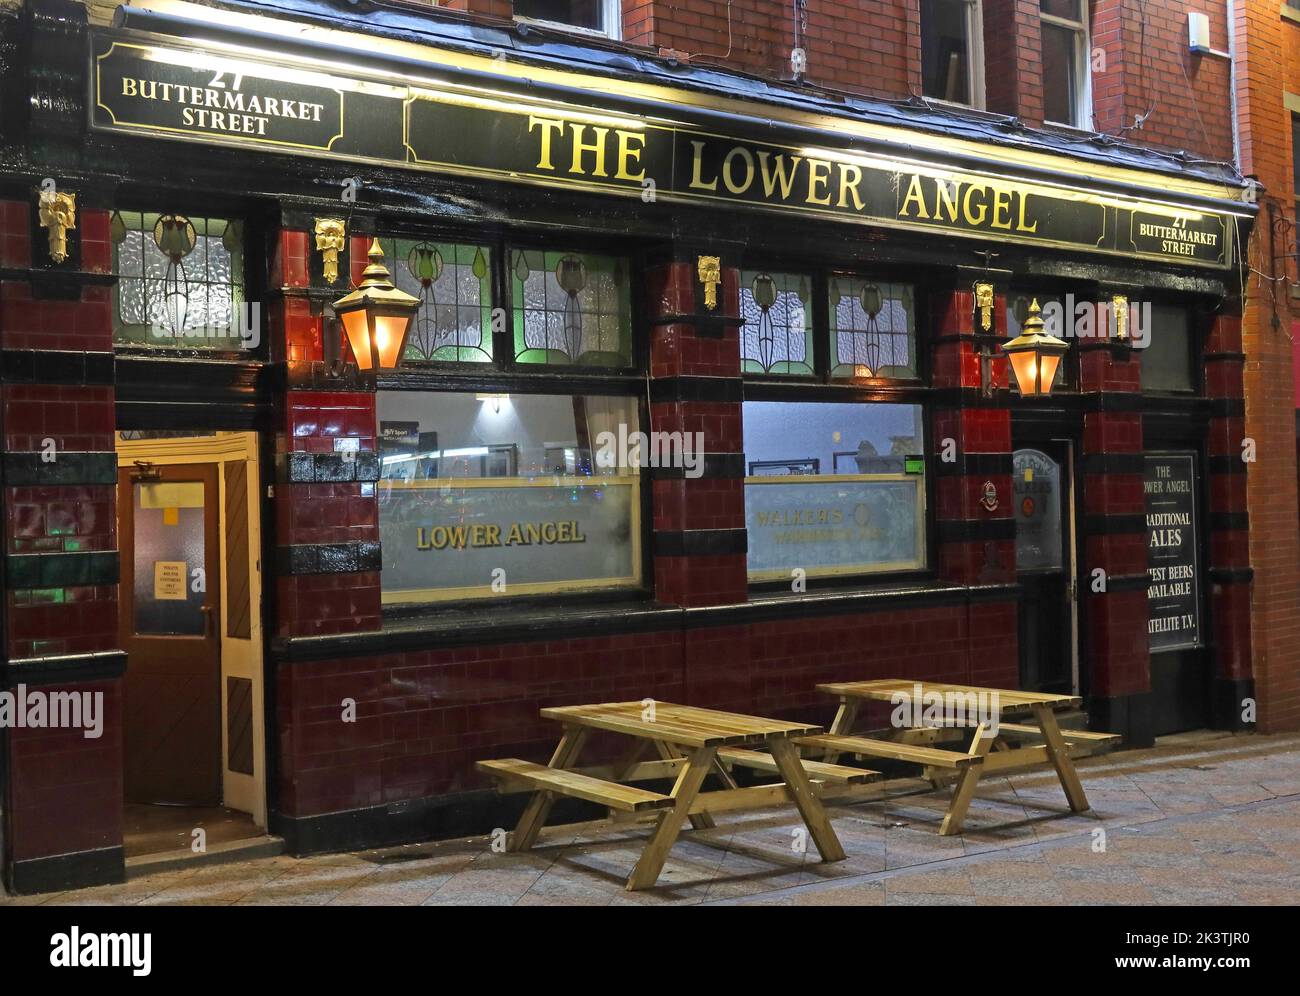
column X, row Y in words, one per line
column 1011, row 746
column 690, row 743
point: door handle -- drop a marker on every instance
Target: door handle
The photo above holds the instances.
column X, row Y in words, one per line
column 207, row 620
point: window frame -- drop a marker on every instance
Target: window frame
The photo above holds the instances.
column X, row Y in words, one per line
column 251, row 280
column 974, row 19
column 819, row 276
column 611, row 17
column 821, row 387
column 562, row 591
column 503, row 374
column 1083, row 64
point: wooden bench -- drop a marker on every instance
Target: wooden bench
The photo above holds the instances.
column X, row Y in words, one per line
column 836, row 774
column 525, row 776
column 930, row 757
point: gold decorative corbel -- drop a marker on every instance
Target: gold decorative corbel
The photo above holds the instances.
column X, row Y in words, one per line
column 984, row 305
column 331, row 238
column 58, row 214
column 1119, row 308
column 709, row 270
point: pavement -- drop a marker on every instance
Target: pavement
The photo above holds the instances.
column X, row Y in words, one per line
column 1198, row 819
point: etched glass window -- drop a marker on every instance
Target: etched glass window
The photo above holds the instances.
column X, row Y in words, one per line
column 778, row 332
column 180, row 282
column 571, row 309
column 482, row 495
column 873, row 328
column 833, row 488
column 453, row 282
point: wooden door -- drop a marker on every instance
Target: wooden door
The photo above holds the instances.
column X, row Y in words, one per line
column 170, row 588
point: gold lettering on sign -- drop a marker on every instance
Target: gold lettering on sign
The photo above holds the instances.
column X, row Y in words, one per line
column 980, row 205
column 462, row 537
column 580, row 148
column 548, row 126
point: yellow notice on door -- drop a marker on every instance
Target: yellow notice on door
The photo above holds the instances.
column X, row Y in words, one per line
column 169, row 580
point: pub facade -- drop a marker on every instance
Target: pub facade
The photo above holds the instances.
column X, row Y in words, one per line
column 704, row 399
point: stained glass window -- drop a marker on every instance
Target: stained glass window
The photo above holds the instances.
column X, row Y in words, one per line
column 180, row 282
column 873, row 328
column 571, row 309
column 777, row 337
column 454, row 285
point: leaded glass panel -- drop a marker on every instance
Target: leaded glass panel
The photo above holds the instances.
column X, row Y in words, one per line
column 453, row 282
column 873, row 328
column 571, row 309
column 180, row 282
column 778, row 333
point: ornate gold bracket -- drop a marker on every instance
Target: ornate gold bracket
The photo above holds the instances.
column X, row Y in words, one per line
column 709, row 270
column 984, row 305
column 1119, row 308
column 331, row 239
column 58, row 215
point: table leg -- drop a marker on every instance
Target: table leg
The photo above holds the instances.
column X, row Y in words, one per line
column 539, row 806
column 1060, row 756
column 669, row 823
column 966, row 782
column 699, row 821
column 801, row 794
column 842, row 725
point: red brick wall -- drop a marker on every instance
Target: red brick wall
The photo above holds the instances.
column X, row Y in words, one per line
column 874, row 48
column 1269, row 49
column 1149, row 67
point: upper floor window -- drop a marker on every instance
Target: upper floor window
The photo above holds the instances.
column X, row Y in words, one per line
column 598, row 16
column 952, row 54
column 1065, row 63
column 180, row 281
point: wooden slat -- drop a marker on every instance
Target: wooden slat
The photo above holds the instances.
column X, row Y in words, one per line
column 611, row 717
column 686, row 726
column 716, row 719
column 883, row 688
column 638, row 772
column 838, row 774
column 1082, row 737
column 888, row 749
column 532, row 776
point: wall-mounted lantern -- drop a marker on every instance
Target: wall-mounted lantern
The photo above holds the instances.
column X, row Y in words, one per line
column 377, row 316
column 1034, row 356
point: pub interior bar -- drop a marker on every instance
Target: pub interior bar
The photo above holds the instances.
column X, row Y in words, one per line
column 707, row 397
